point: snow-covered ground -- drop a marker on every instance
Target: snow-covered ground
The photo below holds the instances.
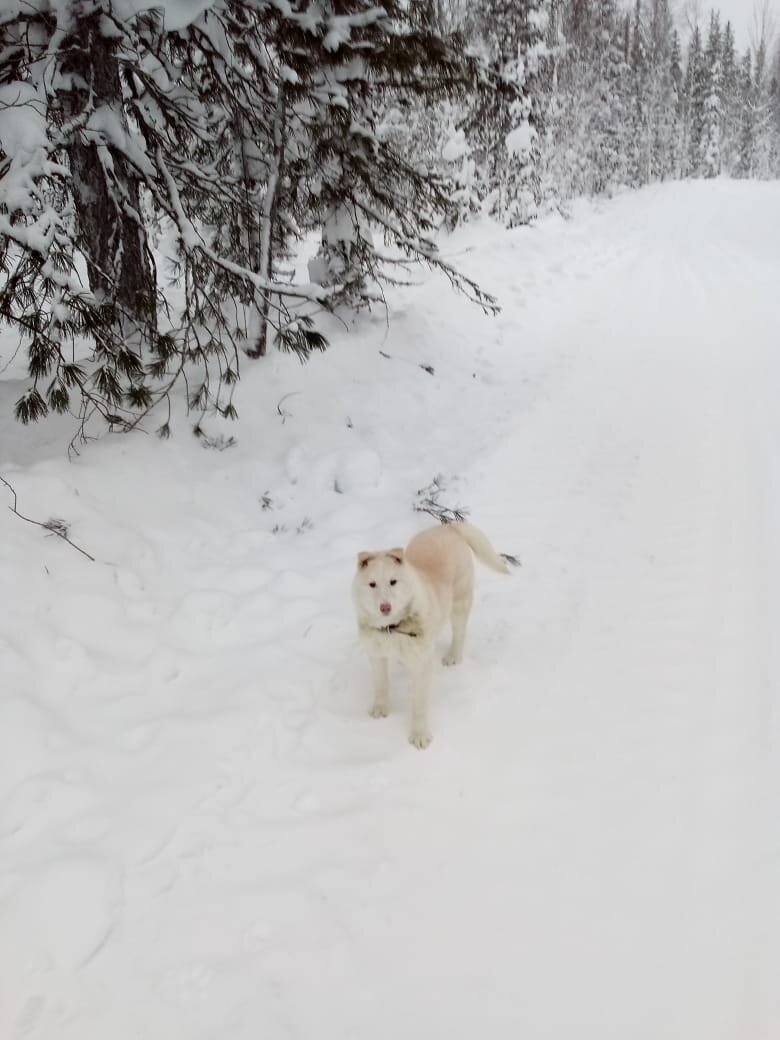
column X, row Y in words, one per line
column 203, row 835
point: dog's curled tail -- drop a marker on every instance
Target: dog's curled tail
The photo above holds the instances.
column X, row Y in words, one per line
column 481, row 547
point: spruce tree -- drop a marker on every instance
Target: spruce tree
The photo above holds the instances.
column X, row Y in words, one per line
column 640, row 122
column 729, row 100
column 677, row 101
column 607, row 127
column 697, row 94
column 506, row 121
column 713, row 104
column 764, row 101
column 663, row 91
column 746, row 147
column 352, row 181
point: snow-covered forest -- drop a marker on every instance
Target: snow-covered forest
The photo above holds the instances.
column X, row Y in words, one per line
column 162, row 165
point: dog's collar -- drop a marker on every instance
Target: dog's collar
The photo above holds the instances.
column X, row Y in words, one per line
column 410, row 625
column 397, row 627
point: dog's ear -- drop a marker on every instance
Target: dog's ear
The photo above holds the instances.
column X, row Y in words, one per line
column 364, row 558
column 396, row 554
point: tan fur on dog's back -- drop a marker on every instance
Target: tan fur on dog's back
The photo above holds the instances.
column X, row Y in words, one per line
column 419, row 591
column 442, row 556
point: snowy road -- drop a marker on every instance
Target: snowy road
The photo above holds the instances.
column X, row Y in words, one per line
column 202, row 833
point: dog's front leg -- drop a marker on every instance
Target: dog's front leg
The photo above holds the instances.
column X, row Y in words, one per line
column 422, row 676
column 381, row 706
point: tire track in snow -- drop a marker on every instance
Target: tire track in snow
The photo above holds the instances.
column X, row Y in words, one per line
column 655, row 653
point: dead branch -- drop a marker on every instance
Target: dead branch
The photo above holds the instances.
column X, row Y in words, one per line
column 56, row 527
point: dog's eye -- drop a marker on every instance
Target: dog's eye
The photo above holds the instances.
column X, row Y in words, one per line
column 372, row 584
column 393, row 581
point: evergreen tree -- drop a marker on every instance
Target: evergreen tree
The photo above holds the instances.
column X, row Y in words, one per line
column 507, row 119
column 764, row 90
column 696, row 97
column 746, row 152
column 240, row 125
column 351, row 180
column 774, row 115
column 662, row 92
column 606, row 128
column 588, row 142
column 677, row 101
column 713, row 111
column 641, row 143
column 729, row 100
column 73, row 202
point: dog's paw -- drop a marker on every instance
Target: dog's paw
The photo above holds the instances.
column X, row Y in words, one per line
column 450, row 659
column 379, row 710
column 420, row 738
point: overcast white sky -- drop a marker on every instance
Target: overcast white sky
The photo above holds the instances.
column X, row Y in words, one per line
column 738, row 12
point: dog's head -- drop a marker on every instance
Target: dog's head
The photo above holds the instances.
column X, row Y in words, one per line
column 381, row 587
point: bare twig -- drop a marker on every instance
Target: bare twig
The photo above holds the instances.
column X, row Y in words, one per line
column 427, row 501
column 57, row 527
column 284, row 415
column 425, row 367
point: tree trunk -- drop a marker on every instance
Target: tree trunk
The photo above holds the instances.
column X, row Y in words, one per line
column 111, row 234
column 267, row 224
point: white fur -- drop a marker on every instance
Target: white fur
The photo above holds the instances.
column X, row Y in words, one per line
column 425, row 585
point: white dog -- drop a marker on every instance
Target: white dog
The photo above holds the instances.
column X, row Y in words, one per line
column 404, row 598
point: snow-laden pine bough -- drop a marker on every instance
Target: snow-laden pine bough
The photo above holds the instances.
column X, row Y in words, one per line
column 159, row 169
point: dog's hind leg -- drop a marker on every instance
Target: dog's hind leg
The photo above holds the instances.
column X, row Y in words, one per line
column 381, row 706
column 422, row 676
column 461, row 608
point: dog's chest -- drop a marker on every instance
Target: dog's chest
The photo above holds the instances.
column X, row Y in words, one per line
column 401, row 640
